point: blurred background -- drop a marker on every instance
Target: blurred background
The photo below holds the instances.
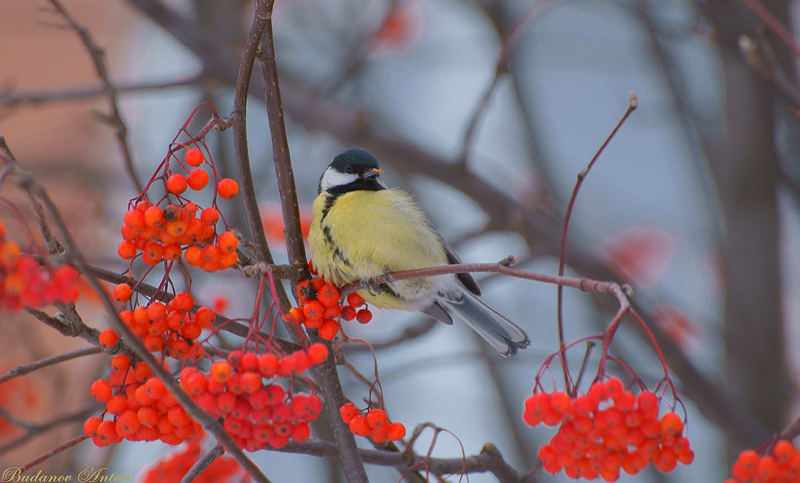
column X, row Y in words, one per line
column 486, row 110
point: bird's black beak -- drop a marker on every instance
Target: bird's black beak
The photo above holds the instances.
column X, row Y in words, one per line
column 372, row 173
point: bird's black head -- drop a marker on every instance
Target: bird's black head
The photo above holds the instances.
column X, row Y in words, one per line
column 353, row 170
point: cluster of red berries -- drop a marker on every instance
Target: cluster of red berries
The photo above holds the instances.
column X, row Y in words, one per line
column 256, row 410
column 163, row 234
column 607, row 430
column 170, row 328
column 319, row 307
column 255, row 413
column 174, row 467
column 142, row 408
column 782, row 466
column 198, row 178
column 26, row 283
column 374, row 423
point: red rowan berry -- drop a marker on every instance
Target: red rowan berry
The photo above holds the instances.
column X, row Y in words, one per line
column 783, row 450
column 318, row 353
column 268, row 365
column 614, row 388
column 198, row 179
column 235, row 359
column 313, row 310
column 228, row 188
column 191, row 330
column 585, row 405
column 154, row 217
column 767, row 468
column 108, row 338
column 117, row 404
column 251, row 382
column 376, row 418
column 625, row 402
column 153, row 253
column 177, row 183
column 313, row 323
column 120, row 363
column 147, row 416
column 329, row 329
column 358, row 426
column 205, row 317
column 560, row 401
column 134, row 219
column 155, row 388
column 128, row 423
column 328, row 295
column 276, row 394
column 249, row 362
column 364, row 316
column 91, row 426
column 355, row 300
column 332, row 312
column 220, row 371
column 301, row 432
column 194, row 157
column 101, row 390
column 287, row 366
column 348, row 313
column 226, row 401
column 127, row 250
column 228, row 242
column 122, row 292
column 177, row 416
column 142, row 371
column 193, row 255
column 671, row 424
column 209, row 216
column 348, row 411
column 396, row 431
column 301, row 361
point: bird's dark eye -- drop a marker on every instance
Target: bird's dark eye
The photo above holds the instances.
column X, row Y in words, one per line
column 349, row 170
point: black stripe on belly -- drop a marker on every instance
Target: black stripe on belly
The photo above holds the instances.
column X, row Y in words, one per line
column 326, row 233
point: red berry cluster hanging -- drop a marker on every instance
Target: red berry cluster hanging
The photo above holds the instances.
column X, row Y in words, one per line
column 373, row 423
column 256, row 410
column 244, row 391
column 163, row 234
column 140, row 406
column 24, row 282
column 319, row 307
column 606, row 430
column 176, row 465
column 781, row 466
column 170, row 328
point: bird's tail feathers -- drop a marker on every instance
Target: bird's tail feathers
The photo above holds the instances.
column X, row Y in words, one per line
column 502, row 334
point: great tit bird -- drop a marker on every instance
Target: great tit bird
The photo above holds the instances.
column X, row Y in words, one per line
column 362, row 230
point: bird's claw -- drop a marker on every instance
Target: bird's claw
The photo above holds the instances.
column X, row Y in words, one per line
column 371, row 286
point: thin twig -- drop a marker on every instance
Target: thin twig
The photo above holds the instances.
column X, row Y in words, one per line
column 34, row 429
column 63, row 446
column 114, row 119
column 202, row 464
column 11, row 99
column 28, row 368
column 633, row 103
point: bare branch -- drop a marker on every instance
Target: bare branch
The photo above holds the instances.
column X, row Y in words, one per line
column 202, row 464
column 114, row 119
column 34, row 366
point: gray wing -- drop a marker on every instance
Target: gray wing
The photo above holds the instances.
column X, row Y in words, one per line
column 465, row 278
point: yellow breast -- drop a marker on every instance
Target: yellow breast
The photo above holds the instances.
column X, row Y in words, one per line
column 366, row 234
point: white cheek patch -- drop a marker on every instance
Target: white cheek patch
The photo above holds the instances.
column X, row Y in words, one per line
column 333, row 178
